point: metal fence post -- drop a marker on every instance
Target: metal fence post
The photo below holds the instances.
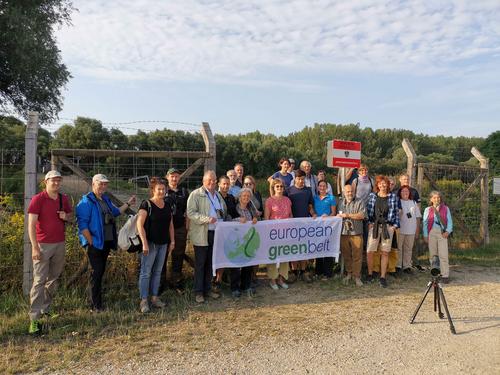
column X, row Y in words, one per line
column 30, row 177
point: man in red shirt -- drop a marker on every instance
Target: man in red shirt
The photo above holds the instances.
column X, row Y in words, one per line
column 48, row 212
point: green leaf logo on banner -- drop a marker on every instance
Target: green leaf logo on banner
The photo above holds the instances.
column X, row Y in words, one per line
column 245, row 247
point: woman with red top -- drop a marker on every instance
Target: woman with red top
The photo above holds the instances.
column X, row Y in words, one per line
column 277, row 207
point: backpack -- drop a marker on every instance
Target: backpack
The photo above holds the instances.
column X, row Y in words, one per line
column 357, row 182
column 128, row 237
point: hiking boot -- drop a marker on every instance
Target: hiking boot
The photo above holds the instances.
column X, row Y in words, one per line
column 236, row 294
column 383, row 282
column 35, row 327
column 156, row 302
column 358, row 281
column 144, row 306
column 369, row 278
column 408, row 271
column 199, row 298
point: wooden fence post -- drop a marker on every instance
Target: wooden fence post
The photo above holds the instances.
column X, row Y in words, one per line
column 411, row 161
column 209, row 140
column 30, row 182
column 483, row 226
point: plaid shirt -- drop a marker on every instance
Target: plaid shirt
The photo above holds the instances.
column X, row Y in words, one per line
column 392, row 216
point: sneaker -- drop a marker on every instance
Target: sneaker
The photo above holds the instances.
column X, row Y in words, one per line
column 358, row 281
column 273, row 285
column 156, row 302
column 35, row 327
column 199, row 298
column 282, row 284
column 249, row 292
column 213, row 294
column 236, row 294
column 144, row 306
column 383, row 282
column 346, row 280
column 369, row 278
column 408, row 271
column 216, row 286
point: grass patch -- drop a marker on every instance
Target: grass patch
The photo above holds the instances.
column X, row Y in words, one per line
column 486, row 256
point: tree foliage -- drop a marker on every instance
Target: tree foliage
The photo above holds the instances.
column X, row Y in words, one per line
column 31, row 71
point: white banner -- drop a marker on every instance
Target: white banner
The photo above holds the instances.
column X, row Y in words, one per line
column 275, row 241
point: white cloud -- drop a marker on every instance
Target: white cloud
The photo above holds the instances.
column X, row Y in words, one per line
column 230, row 40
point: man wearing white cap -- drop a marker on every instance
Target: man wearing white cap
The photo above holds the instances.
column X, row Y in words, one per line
column 97, row 231
column 47, row 213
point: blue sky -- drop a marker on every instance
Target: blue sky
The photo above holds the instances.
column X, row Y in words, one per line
column 277, row 66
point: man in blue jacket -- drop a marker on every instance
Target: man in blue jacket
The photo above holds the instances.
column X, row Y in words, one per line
column 97, row 231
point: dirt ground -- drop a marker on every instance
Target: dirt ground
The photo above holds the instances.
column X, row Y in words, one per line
column 324, row 328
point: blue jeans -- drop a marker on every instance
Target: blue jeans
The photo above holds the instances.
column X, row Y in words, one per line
column 151, row 266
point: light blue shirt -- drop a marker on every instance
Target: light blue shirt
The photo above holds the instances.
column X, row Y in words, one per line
column 324, row 206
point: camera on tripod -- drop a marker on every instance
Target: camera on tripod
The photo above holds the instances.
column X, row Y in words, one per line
column 435, row 266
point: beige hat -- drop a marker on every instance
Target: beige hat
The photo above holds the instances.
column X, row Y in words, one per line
column 52, row 174
column 99, row 178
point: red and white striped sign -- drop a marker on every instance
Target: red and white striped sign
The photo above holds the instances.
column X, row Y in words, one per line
column 343, row 154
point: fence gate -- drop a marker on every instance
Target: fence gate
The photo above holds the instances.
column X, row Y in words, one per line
column 465, row 191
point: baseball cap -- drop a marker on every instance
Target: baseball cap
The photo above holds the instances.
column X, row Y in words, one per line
column 52, row 174
column 99, row 178
column 173, row 170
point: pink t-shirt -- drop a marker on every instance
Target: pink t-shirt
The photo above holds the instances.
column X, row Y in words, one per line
column 279, row 208
column 49, row 228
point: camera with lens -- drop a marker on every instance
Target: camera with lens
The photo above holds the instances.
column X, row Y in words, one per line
column 408, row 215
column 220, row 214
column 435, row 266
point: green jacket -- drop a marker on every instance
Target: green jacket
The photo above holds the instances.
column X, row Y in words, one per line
column 198, row 210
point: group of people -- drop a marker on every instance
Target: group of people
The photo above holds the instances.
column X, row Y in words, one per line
column 372, row 214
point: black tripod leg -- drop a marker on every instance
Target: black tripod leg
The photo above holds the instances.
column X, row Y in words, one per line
column 436, row 295
column 452, row 327
column 429, row 285
column 437, row 292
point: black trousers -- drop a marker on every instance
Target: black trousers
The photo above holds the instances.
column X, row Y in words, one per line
column 324, row 266
column 97, row 259
column 241, row 278
column 203, row 265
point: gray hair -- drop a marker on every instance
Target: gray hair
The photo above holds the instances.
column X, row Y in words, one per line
column 245, row 190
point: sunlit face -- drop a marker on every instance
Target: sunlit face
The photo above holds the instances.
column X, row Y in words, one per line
column 99, row 187
column 382, row 186
column 403, row 180
column 306, row 167
column 159, row 191
column 244, row 198
column 53, row 184
column 239, row 171
column 248, row 183
column 279, row 188
column 173, row 179
column 322, row 188
column 210, row 181
column 224, row 185
column 436, row 200
column 405, row 194
column 285, row 165
column 363, row 171
column 299, row 182
column 348, row 193
column 232, row 176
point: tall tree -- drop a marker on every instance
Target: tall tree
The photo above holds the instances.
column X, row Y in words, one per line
column 31, row 72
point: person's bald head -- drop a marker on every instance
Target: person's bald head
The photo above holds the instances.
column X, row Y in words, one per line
column 348, row 192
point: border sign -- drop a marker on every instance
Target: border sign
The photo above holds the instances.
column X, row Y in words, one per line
column 343, row 154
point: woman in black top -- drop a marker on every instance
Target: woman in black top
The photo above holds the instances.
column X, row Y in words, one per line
column 156, row 230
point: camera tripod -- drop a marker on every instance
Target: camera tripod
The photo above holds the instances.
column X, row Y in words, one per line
column 438, row 297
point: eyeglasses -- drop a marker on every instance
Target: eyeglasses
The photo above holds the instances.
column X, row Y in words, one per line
column 278, row 186
column 248, row 184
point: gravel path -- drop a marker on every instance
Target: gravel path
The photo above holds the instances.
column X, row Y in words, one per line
column 364, row 335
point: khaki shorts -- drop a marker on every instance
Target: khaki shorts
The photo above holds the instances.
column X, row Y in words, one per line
column 373, row 243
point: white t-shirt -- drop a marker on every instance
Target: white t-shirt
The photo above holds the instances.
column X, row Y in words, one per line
column 409, row 225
